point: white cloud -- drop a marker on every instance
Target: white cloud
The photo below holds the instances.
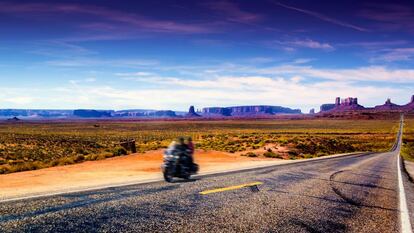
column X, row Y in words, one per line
column 370, row 73
column 397, row 54
column 138, row 74
column 296, row 86
column 311, row 44
column 178, row 94
column 302, row 60
column 292, row 45
column 19, row 100
column 84, row 62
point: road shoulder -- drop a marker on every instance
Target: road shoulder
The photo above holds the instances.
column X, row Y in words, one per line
column 409, row 169
column 69, row 182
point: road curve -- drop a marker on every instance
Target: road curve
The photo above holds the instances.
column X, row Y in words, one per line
column 357, row 193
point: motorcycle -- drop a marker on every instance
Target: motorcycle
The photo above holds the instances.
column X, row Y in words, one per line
column 176, row 165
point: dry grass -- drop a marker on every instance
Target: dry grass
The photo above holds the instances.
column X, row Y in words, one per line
column 28, row 146
column 407, row 150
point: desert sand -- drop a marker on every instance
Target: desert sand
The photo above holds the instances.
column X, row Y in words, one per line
column 131, row 168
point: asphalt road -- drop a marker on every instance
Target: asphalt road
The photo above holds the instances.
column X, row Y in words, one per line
column 357, row 193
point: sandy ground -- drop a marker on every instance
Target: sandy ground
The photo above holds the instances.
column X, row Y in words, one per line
column 125, row 169
column 409, row 166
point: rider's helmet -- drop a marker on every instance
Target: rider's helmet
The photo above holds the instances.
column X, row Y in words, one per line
column 181, row 140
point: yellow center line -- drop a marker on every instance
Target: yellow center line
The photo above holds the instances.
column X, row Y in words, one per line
column 230, row 188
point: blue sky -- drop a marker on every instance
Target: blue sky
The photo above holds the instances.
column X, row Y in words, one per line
column 172, row 54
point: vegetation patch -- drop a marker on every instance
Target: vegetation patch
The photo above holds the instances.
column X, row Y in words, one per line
column 407, row 149
column 29, row 146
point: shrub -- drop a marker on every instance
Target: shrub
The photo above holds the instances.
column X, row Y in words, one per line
column 251, row 154
column 79, row 158
column 268, row 154
column 66, row 161
column 54, row 163
column 119, row 151
column 4, row 170
column 292, row 153
column 321, row 154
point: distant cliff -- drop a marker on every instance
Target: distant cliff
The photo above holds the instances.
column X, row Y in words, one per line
column 327, row 107
column 351, row 104
column 388, row 106
column 347, row 104
column 35, row 113
column 192, row 113
column 143, row 113
column 249, row 110
column 90, row 113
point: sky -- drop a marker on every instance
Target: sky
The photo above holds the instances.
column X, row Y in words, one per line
column 172, row 54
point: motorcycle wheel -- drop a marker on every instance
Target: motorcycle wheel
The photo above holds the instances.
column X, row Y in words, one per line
column 187, row 176
column 168, row 177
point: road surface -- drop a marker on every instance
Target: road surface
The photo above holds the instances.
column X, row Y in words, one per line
column 357, row 193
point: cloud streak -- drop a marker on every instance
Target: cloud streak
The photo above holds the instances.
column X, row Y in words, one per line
column 91, row 62
column 376, row 74
column 293, row 44
column 220, row 91
column 114, row 16
column 397, row 54
column 390, row 17
column 232, row 12
column 323, row 17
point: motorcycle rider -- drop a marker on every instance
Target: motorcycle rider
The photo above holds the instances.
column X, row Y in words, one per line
column 183, row 152
column 178, row 161
column 190, row 145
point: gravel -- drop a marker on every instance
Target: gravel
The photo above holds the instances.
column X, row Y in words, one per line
column 355, row 193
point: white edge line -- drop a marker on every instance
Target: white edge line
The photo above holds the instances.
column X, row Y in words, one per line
column 404, row 214
column 405, row 218
column 158, row 180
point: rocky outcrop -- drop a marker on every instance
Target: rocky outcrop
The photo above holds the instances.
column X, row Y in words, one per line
column 327, row 107
column 410, row 106
column 351, row 104
column 388, row 106
column 216, row 111
column 347, row 104
column 249, row 110
column 162, row 114
column 90, row 113
column 312, row 111
column 144, row 113
column 192, row 112
column 35, row 113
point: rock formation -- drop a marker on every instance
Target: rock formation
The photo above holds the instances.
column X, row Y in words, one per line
column 35, row 113
column 216, row 111
column 162, row 114
column 347, row 104
column 13, row 119
column 388, row 106
column 191, row 112
column 144, row 113
column 90, row 113
column 249, row 110
column 409, row 106
column 312, row 111
column 337, row 101
column 351, row 104
column 327, row 107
